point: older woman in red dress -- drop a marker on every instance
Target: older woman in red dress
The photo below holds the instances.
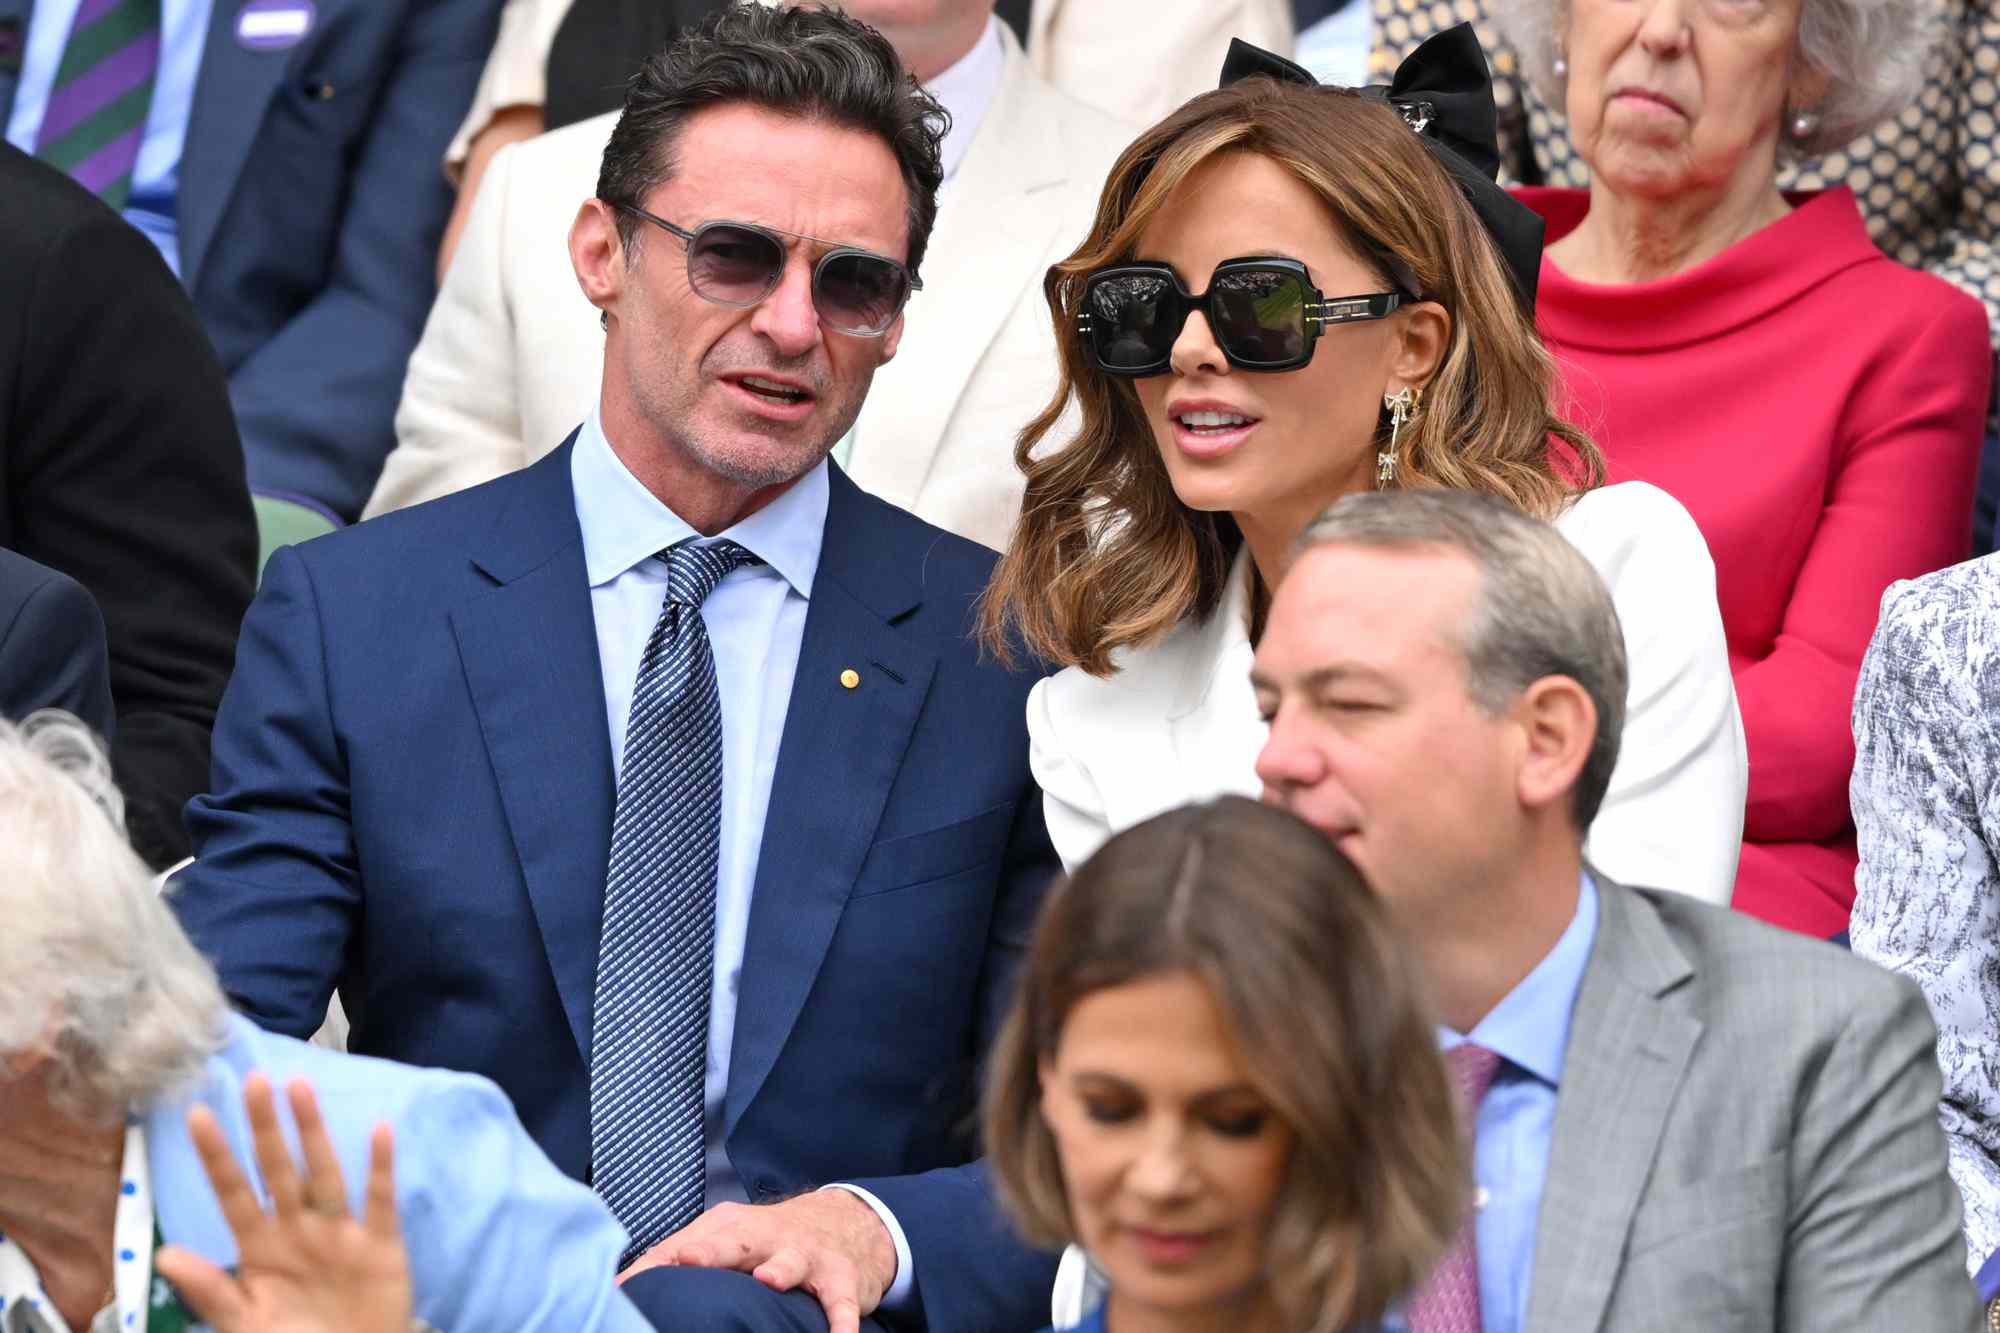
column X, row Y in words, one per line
column 1815, row 406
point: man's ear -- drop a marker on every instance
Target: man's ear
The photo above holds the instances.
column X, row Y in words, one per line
column 1426, row 333
column 597, row 253
column 1558, row 725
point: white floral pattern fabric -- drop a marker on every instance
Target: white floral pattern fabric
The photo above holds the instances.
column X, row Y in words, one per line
column 1926, row 797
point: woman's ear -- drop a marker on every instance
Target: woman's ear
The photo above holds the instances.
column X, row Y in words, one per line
column 1425, row 333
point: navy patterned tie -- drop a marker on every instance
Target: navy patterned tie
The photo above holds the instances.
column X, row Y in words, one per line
column 656, row 955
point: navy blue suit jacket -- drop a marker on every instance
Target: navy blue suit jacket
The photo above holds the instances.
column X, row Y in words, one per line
column 311, row 204
column 52, row 647
column 413, row 797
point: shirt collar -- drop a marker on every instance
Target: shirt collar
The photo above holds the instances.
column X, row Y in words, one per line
column 967, row 87
column 1529, row 1028
column 624, row 524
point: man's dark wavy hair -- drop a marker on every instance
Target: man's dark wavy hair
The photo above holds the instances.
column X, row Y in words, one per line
column 812, row 62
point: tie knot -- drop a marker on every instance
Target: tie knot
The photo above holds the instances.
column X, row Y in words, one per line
column 1472, row 1069
column 694, row 570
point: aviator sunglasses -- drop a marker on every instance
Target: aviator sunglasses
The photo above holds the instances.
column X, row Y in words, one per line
column 1265, row 314
column 738, row 264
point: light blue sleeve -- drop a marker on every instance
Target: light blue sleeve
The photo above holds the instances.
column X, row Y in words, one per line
column 500, row 1241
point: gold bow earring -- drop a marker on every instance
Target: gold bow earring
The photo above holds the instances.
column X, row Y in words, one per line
column 1401, row 406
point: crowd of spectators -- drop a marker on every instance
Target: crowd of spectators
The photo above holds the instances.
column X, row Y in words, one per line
column 704, row 590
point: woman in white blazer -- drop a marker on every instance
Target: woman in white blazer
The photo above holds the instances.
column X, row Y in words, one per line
column 1365, row 320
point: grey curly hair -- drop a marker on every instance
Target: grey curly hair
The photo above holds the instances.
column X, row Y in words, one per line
column 95, row 973
column 1873, row 54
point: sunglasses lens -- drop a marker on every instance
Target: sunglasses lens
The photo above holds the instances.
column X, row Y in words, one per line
column 1132, row 324
column 859, row 293
column 1259, row 316
column 733, row 265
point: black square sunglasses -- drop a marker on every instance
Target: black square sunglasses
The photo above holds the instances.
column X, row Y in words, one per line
column 1265, row 314
column 738, row 264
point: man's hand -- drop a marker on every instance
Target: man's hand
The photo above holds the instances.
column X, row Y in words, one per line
column 828, row 1243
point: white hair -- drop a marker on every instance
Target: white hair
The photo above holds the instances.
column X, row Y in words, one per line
column 1874, row 55
column 94, row 971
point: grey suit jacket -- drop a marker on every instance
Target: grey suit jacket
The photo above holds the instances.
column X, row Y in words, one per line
column 1746, row 1137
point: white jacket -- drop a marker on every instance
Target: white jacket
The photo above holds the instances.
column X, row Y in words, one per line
column 1178, row 722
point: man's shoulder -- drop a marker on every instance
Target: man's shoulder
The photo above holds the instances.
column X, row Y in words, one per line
column 405, row 539
column 43, row 210
column 1750, row 976
column 937, row 560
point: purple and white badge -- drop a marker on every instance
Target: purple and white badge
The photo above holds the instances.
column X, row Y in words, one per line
column 273, row 25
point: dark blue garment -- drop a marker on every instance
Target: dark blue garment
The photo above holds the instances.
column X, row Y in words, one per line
column 52, row 648
column 1989, row 1278
column 310, row 205
column 413, row 795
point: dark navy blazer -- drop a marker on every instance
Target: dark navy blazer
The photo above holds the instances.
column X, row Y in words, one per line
column 52, row 646
column 413, row 796
column 310, row 207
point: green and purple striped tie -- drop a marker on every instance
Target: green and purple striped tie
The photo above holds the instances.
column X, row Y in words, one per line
column 96, row 113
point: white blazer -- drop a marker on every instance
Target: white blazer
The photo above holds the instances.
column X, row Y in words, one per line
column 1139, row 59
column 1178, row 721
column 512, row 356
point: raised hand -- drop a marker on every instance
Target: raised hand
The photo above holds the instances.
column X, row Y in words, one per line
column 307, row 1265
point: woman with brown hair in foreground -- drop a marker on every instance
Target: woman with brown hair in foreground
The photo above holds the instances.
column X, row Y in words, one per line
column 1219, row 1079
column 1364, row 319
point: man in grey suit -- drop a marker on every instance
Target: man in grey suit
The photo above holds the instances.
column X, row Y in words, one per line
column 1682, row 1118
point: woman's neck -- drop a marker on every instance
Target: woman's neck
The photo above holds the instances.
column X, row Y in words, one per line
column 1627, row 238
column 1250, row 1313
column 59, row 1200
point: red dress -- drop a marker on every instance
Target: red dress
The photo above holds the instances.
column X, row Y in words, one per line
column 1819, row 410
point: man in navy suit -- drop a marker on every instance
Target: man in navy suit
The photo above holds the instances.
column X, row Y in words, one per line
column 282, row 154
column 678, row 701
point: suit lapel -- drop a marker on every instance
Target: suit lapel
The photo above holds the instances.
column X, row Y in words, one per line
column 1631, row 1038
column 986, row 250
column 231, row 95
column 839, row 757
column 529, row 650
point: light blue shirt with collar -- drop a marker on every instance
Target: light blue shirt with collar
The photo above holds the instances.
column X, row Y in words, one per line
column 153, row 206
column 1529, row 1030
column 755, row 619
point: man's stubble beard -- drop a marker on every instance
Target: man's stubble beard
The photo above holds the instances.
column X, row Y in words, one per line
column 676, row 418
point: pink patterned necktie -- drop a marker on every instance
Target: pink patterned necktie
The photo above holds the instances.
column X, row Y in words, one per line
column 1448, row 1301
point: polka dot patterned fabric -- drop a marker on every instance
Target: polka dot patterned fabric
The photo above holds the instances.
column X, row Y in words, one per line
column 1927, row 181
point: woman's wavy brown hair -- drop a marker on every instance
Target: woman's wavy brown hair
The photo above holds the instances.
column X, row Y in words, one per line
column 1104, row 554
column 1325, row 1005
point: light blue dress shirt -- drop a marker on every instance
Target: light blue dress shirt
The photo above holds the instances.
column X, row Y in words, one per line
column 1529, row 1030
column 755, row 618
column 153, row 204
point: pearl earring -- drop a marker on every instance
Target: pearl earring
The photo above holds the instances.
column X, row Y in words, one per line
column 1804, row 125
column 1401, row 406
column 1561, row 66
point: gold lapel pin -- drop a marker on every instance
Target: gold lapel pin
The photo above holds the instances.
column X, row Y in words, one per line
column 850, row 678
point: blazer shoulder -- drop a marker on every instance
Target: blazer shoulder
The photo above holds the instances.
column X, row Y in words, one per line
column 1631, row 526
column 1751, row 976
column 448, row 523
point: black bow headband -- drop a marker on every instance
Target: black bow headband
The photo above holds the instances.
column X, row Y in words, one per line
column 1445, row 93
